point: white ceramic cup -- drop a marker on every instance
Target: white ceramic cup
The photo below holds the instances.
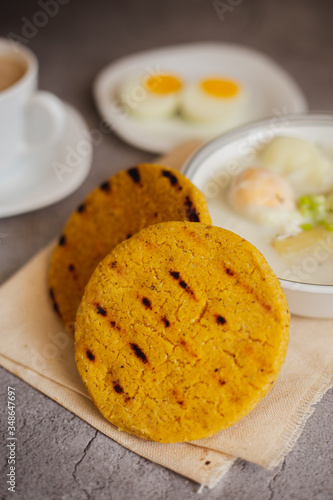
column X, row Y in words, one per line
column 19, row 104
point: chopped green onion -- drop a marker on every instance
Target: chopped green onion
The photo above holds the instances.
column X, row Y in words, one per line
column 313, row 208
column 316, row 210
column 306, row 227
column 304, row 200
column 305, row 206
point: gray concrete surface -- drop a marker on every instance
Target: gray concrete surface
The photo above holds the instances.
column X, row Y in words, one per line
column 59, row 456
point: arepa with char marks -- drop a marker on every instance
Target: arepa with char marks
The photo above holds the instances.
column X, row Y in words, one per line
column 120, row 207
column 182, row 330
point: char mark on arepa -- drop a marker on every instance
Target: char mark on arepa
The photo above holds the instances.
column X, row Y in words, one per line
column 191, row 212
column 90, row 355
column 62, row 240
column 146, row 302
column 182, row 283
column 220, row 319
column 166, row 321
column 101, row 310
column 105, row 186
column 172, row 178
column 81, row 208
column 134, row 174
column 118, row 388
column 139, row 353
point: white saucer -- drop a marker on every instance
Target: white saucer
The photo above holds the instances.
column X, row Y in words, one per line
column 36, row 181
column 273, row 90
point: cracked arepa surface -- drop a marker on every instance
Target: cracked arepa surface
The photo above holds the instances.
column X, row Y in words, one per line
column 182, row 330
column 120, row 207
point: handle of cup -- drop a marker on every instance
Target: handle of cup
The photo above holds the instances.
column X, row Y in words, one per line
column 55, row 110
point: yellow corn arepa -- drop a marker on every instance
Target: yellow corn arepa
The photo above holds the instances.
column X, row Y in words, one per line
column 181, row 331
column 120, row 207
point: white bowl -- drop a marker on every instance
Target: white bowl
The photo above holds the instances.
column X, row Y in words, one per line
column 310, row 300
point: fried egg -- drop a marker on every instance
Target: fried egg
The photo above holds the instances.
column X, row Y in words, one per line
column 212, row 99
column 300, row 162
column 151, row 96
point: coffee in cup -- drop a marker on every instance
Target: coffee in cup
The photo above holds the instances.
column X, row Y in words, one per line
column 20, row 101
column 11, row 70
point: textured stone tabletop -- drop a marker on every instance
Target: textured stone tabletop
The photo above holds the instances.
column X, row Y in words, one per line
column 60, row 456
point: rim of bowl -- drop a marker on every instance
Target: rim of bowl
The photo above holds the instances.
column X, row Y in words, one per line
column 195, row 162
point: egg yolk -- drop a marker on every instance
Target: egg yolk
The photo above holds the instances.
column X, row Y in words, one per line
column 216, row 87
column 163, row 84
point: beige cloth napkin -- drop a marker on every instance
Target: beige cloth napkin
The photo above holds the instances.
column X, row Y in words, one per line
column 34, row 346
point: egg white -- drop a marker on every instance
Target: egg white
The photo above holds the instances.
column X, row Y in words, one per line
column 145, row 104
column 299, row 161
column 201, row 107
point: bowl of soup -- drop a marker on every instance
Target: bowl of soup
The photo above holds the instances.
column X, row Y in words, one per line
column 271, row 182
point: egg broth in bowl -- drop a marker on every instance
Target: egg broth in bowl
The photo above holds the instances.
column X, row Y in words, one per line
column 272, row 183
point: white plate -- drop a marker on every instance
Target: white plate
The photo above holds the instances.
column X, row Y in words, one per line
column 38, row 180
column 273, row 91
column 217, row 161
